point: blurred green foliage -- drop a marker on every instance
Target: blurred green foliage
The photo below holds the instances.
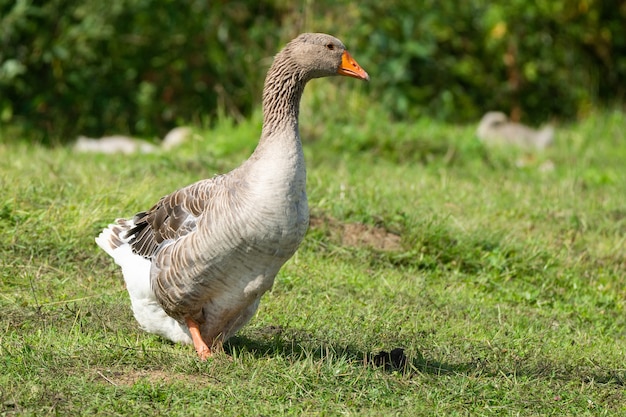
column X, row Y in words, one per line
column 72, row 67
column 455, row 60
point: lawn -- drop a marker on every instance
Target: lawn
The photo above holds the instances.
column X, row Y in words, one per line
column 438, row 278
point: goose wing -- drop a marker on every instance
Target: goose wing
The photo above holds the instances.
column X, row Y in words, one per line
column 174, row 216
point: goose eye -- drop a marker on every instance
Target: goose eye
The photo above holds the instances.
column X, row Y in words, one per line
column 330, row 46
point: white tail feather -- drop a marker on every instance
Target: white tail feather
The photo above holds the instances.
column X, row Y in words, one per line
column 136, row 271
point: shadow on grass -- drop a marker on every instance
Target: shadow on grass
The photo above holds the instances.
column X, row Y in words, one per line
column 291, row 345
column 275, row 341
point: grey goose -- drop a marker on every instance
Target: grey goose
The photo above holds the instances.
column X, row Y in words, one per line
column 197, row 263
column 495, row 128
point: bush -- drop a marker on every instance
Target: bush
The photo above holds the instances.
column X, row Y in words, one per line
column 456, row 60
column 72, row 67
column 138, row 66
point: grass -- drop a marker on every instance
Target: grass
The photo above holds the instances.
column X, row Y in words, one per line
column 505, row 285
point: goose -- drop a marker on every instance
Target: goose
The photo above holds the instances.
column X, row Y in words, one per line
column 113, row 144
column 127, row 145
column 496, row 129
column 197, row 263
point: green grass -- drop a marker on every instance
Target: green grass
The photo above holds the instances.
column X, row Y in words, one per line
column 506, row 287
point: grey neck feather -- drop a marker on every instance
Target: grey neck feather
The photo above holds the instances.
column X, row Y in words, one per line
column 283, row 90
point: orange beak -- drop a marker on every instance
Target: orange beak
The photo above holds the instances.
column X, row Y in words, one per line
column 350, row 68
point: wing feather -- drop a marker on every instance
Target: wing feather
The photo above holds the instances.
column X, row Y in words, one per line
column 173, row 217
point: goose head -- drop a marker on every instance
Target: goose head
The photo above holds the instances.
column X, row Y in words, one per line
column 318, row 55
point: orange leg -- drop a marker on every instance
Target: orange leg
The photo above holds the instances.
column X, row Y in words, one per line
column 201, row 347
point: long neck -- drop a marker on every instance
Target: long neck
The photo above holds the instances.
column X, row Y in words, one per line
column 283, row 89
column 278, row 157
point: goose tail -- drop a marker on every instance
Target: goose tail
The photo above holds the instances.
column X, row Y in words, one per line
column 136, row 271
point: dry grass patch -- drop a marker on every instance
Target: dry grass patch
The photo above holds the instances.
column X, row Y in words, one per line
column 357, row 234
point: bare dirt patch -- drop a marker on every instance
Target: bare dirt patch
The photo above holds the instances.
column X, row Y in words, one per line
column 358, row 234
column 129, row 377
